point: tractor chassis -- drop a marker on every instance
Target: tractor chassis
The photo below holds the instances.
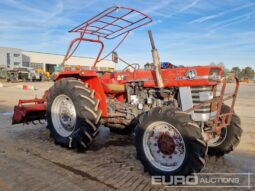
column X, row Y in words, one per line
column 27, row 110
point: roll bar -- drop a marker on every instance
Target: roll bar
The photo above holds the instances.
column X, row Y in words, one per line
column 111, row 23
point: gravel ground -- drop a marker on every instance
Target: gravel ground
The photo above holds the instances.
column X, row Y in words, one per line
column 29, row 160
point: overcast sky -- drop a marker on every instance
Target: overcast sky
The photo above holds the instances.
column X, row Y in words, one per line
column 186, row 32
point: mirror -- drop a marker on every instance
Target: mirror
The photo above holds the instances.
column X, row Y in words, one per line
column 115, row 58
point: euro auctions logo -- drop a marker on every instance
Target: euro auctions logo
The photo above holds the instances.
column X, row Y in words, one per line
column 228, row 180
column 174, row 180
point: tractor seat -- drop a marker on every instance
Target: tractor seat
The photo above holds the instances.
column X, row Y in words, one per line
column 114, row 88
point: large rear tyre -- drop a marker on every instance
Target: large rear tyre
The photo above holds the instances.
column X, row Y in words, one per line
column 168, row 142
column 72, row 113
column 229, row 137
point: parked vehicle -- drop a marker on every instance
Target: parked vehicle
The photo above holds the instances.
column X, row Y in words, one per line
column 176, row 113
column 17, row 74
column 22, row 74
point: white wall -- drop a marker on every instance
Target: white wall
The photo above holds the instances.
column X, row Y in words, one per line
column 45, row 58
column 3, row 57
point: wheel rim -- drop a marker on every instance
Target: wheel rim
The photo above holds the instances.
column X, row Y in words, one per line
column 63, row 115
column 218, row 139
column 164, row 146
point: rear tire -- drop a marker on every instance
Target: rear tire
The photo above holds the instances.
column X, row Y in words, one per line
column 229, row 138
column 72, row 113
column 188, row 150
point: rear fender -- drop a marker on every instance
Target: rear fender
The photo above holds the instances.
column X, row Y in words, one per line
column 75, row 74
column 94, row 83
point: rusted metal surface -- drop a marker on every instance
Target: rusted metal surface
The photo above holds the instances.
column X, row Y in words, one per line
column 221, row 120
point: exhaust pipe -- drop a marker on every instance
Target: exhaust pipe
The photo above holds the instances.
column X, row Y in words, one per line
column 156, row 62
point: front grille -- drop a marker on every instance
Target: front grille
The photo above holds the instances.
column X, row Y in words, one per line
column 196, row 98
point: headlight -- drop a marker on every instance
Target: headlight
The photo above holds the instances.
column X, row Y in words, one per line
column 214, row 75
column 191, row 74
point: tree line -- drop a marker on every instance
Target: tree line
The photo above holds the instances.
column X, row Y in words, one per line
column 246, row 72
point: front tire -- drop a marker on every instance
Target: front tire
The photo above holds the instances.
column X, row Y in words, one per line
column 229, row 137
column 168, row 142
column 72, row 113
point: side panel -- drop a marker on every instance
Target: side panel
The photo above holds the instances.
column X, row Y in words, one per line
column 176, row 77
column 186, row 98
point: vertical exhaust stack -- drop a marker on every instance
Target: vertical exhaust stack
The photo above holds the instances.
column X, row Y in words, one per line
column 156, row 62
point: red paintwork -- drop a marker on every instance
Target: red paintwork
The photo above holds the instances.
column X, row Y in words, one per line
column 69, row 53
column 170, row 78
column 75, row 74
column 166, row 143
column 22, row 112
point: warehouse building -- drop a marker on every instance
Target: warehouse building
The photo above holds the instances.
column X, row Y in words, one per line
column 15, row 58
column 10, row 57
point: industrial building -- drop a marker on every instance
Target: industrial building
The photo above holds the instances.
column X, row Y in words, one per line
column 15, row 58
column 10, row 57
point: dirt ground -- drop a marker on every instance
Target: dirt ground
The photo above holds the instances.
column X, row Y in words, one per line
column 29, row 159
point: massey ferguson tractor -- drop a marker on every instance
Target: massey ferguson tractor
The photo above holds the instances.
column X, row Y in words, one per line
column 177, row 114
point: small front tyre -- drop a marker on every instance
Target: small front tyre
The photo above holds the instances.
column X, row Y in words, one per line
column 229, row 137
column 168, row 142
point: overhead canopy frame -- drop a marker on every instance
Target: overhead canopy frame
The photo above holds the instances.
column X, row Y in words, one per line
column 111, row 23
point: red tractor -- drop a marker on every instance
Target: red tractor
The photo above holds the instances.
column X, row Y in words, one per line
column 176, row 114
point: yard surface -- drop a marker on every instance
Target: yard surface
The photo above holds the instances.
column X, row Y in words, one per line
column 29, row 159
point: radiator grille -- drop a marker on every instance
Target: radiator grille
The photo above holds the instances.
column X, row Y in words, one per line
column 196, row 98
